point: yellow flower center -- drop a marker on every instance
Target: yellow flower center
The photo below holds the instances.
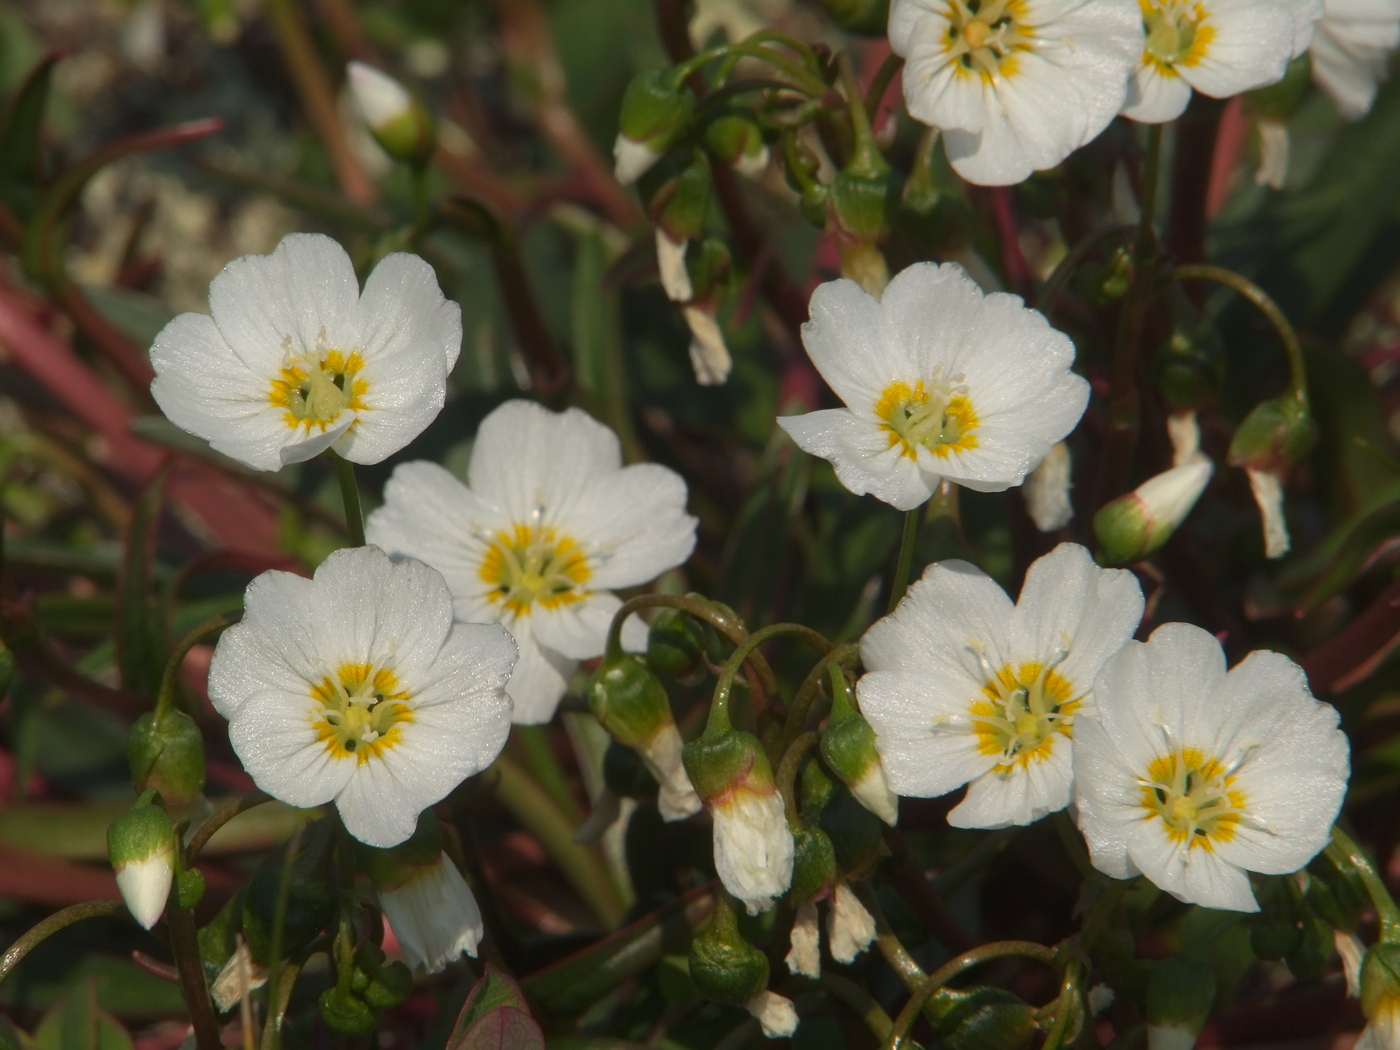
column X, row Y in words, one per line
column 529, row 565
column 939, row 417
column 1022, row 710
column 1192, row 795
column 317, row 392
column 984, row 36
column 1178, row 33
column 362, row 711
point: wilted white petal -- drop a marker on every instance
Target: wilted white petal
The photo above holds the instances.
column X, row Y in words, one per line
column 850, row 927
column 1046, row 490
column 804, row 954
column 239, row 976
column 775, row 1013
column 1268, row 493
column 662, row 756
column 1273, row 154
column 434, row 915
column 709, row 353
column 607, row 807
column 1351, row 951
column 670, row 260
column 1184, row 432
column 753, row 847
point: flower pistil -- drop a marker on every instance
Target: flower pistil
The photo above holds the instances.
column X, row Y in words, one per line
column 1178, row 33
column 529, row 564
column 1193, row 796
column 938, row 416
column 983, row 38
column 316, row 391
column 1024, row 708
column 362, row 709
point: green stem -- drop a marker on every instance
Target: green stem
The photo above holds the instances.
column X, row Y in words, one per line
column 875, row 94
column 843, row 656
column 193, row 984
column 719, row 706
column 165, row 699
column 272, row 1033
column 221, row 817
column 860, row 1001
column 865, row 148
column 277, row 1005
column 1064, row 1006
column 1297, row 369
column 899, row 583
column 41, row 931
column 546, row 769
column 1152, row 166
column 787, row 770
column 1345, row 847
column 965, row 961
column 350, row 494
column 582, row 866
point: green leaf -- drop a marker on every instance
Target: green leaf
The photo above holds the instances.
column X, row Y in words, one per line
column 504, row 1028
column 140, row 648
column 77, row 1023
column 20, row 126
column 495, row 989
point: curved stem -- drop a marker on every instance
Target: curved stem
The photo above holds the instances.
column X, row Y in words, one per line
column 719, row 706
column 965, row 961
column 1297, row 369
column 879, row 84
column 860, row 1001
column 787, row 770
column 166, row 697
column 41, row 931
column 277, row 1007
column 899, row 583
column 843, row 656
column 1345, row 847
column 1064, row 1008
column 221, row 817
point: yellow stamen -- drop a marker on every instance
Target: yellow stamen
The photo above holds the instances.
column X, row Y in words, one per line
column 1024, row 708
column 1193, row 797
column 984, row 37
column 363, row 711
column 1179, row 33
column 316, row 392
column 938, row 417
column 529, row 565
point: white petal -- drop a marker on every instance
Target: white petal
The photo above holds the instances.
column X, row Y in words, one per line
column 274, row 737
column 709, row 353
column 145, row 887
column 670, row 261
column 271, row 648
column 634, row 525
column 578, row 630
column 434, row 915
column 926, row 740
column 861, row 453
column 380, row 98
column 753, row 847
column 853, row 346
column 540, row 679
column 1046, row 490
column 1021, row 795
column 1197, row 876
column 1268, row 494
column 775, row 1013
column 804, row 955
column 1251, row 48
column 1156, row 96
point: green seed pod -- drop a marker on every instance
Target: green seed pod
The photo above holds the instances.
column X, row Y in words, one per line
column 380, row 986
column 708, row 266
column 737, row 140
column 656, row 109
column 343, row 1012
column 167, row 755
column 675, row 642
column 723, row 965
column 629, row 700
column 397, row 120
column 727, row 760
column 864, row 197
column 856, row 834
column 813, row 865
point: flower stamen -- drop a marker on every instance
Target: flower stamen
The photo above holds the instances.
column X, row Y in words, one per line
column 938, row 417
column 1178, row 33
column 362, row 709
column 1193, row 797
column 1022, row 710
column 315, row 390
column 534, row 564
column 984, row 37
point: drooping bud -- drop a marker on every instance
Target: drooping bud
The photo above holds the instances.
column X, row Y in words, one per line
column 848, row 748
column 1046, row 490
column 675, row 644
column 1180, row 992
column 1131, row 527
column 167, row 754
column 813, row 866
column 397, row 120
column 656, row 110
column 1268, row 444
column 723, row 965
column 804, row 955
column 738, row 141
column 141, row 846
column 850, row 928
column 631, row 704
column 753, row 843
column 1380, row 998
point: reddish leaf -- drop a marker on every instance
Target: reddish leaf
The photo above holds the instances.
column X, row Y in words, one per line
column 504, row 1028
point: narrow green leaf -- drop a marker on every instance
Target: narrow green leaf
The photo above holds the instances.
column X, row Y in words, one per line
column 78, row 1023
column 140, row 649
column 20, row 126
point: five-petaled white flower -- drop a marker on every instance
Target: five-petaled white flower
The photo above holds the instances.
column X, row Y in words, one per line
column 939, row 381
column 357, row 686
column 1015, row 85
column 1351, row 51
column 1193, row 776
column 548, row 523
column 296, row 359
column 1218, row 47
column 962, row 687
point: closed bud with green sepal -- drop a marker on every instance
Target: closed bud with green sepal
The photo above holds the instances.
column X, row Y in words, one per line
column 397, row 120
column 657, row 110
column 737, row 140
column 166, row 751
column 142, row 847
column 723, row 965
column 848, row 748
column 1131, row 527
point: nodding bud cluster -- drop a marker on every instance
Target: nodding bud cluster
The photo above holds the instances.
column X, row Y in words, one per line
column 848, row 748
column 141, row 845
column 1268, row 444
column 813, row 876
column 1380, row 998
column 632, row 705
column 397, row 120
column 425, row 900
column 1131, row 527
column 165, row 751
column 1180, row 992
column 656, row 110
column 753, row 843
column 738, row 141
column 728, row 969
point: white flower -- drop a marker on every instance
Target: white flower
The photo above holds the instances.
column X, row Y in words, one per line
column 549, row 522
column 939, row 381
column 1218, row 47
column 1046, row 490
column 1351, row 51
column 357, row 686
column 804, row 955
column 753, row 844
column 850, row 928
column 434, row 915
column 776, row 1014
column 962, row 687
column 1193, row 777
column 1016, row 85
column 380, row 98
column 295, row 359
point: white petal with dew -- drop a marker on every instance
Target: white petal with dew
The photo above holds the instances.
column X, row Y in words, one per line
column 434, row 915
column 753, row 847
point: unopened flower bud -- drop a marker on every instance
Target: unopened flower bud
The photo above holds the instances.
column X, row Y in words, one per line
column 850, row 927
column 1189, row 368
column 723, row 965
column 864, row 196
column 675, row 644
column 167, row 753
column 1275, row 436
column 753, row 844
column 631, row 704
column 813, row 866
column 1180, row 992
column 398, row 121
column 709, row 353
column 346, row 1013
column 141, row 845
column 1380, row 998
column 1046, row 490
column 1131, row 527
column 848, row 748
column 775, row 1013
column 656, row 110
column 738, row 142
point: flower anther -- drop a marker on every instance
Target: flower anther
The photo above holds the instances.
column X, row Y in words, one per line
column 530, row 564
column 938, row 417
column 316, row 389
column 1194, row 796
column 1179, row 33
column 363, row 710
column 1024, row 707
column 983, row 38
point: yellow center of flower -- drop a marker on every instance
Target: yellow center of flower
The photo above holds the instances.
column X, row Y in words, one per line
column 1192, row 795
column 938, row 417
column 316, row 392
column 1024, row 707
column 362, row 711
column 1178, row 33
column 529, row 565
column 984, row 36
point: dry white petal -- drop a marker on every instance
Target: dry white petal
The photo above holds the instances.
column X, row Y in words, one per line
column 1046, row 490
column 850, row 928
column 239, row 976
column 753, row 847
column 1184, row 432
column 1273, row 154
column 709, row 353
column 434, row 915
column 804, row 953
column 1351, row 951
column 1268, row 493
column 775, row 1013
column 670, row 260
column 662, row 756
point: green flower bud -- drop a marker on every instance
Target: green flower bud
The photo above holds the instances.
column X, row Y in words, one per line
column 738, row 141
column 628, row 700
column 675, row 644
column 724, row 966
column 1131, row 527
column 167, row 754
column 398, row 121
column 380, row 986
column 142, row 847
column 1189, row 369
column 343, row 1012
column 866, row 17
column 848, row 748
column 1274, row 437
column 864, row 196
column 726, row 761
column 813, row 865
column 1180, row 992
column 656, row 111
column 856, row 834
column 680, row 204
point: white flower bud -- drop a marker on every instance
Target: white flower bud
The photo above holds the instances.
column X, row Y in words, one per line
column 872, row 790
column 670, row 259
column 141, row 845
column 434, row 915
column 849, row 927
column 753, row 847
column 804, row 956
column 1046, row 490
column 775, row 1013
column 380, row 98
column 632, row 159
